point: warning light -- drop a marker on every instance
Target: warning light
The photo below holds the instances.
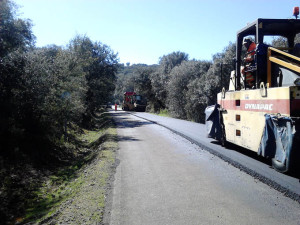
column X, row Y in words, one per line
column 296, row 12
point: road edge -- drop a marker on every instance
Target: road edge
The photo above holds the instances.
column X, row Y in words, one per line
column 256, row 175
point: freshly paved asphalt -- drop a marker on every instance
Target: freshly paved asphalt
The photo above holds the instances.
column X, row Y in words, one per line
column 163, row 178
column 245, row 160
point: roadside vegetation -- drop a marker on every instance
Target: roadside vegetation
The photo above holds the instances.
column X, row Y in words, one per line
column 55, row 190
column 179, row 86
column 163, row 112
column 49, row 97
column 52, row 127
column 76, row 193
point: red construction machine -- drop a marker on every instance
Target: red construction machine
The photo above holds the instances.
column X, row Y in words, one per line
column 133, row 102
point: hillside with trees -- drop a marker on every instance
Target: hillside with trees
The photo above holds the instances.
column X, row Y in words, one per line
column 43, row 91
column 177, row 84
column 50, row 94
column 181, row 86
column 47, row 95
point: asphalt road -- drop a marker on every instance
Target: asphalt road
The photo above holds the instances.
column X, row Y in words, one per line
column 245, row 160
column 163, row 178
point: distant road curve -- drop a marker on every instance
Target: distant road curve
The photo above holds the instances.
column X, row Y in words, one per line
column 246, row 161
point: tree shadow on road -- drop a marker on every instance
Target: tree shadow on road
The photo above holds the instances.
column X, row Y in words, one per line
column 127, row 138
column 124, row 122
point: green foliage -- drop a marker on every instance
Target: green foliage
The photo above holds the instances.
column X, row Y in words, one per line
column 280, row 42
column 44, row 90
column 100, row 64
column 168, row 62
column 70, row 182
column 182, row 87
column 164, row 112
column 178, row 90
column 161, row 78
column 15, row 38
column 14, row 33
column 134, row 78
column 57, row 88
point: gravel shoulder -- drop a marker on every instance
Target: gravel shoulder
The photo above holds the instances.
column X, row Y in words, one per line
column 74, row 191
column 87, row 201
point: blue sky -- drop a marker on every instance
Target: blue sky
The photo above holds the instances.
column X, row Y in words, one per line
column 141, row 31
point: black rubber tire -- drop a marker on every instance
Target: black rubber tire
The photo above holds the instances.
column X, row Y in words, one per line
column 223, row 138
column 223, row 141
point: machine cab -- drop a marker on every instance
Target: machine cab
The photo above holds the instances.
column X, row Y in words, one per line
column 274, row 67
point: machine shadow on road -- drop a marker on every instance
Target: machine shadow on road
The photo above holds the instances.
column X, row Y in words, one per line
column 295, row 172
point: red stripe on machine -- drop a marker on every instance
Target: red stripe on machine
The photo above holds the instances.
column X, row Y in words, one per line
column 271, row 105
